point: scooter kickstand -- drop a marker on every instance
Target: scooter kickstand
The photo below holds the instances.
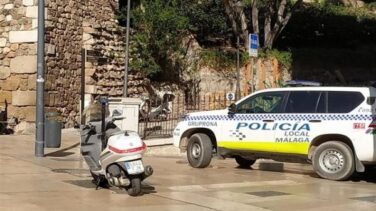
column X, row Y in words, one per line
column 98, row 182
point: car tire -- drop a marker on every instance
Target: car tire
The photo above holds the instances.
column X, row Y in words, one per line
column 244, row 163
column 334, row 160
column 199, row 150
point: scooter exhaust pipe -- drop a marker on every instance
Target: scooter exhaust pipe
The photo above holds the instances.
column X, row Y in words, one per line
column 118, row 182
column 148, row 172
column 124, row 181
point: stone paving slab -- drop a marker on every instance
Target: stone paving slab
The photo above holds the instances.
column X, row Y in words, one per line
column 61, row 181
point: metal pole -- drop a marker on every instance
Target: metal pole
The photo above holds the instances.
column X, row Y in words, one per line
column 39, row 142
column 125, row 90
column 83, row 60
column 252, row 75
column 237, row 93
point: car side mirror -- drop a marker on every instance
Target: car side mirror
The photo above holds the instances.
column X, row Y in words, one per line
column 232, row 109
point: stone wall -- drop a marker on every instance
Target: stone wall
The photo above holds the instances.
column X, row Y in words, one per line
column 18, row 37
column 63, row 57
column 104, row 41
column 265, row 73
column 70, row 27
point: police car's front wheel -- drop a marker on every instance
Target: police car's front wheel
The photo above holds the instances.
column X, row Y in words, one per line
column 334, row 160
column 199, row 150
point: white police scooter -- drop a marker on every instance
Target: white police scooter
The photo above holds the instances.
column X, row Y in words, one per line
column 114, row 156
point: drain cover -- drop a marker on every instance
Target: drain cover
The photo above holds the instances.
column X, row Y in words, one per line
column 267, row 193
column 366, row 198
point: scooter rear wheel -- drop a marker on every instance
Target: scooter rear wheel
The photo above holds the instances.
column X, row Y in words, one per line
column 135, row 187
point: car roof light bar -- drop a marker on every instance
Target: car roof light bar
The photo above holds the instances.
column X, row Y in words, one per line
column 302, row 83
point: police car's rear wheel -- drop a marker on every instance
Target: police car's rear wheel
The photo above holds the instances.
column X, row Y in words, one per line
column 244, row 163
column 334, row 160
column 199, row 150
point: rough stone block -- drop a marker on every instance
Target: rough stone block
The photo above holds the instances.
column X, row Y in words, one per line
column 6, row 50
column 23, row 84
column 51, row 49
column 3, row 42
column 23, row 36
column 90, row 89
column 32, row 12
column 5, row 96
column 28, row 113
column 11, row 84
column 28, row 2
column 8, row 6
column 4, row 72
column 23, row 98
column 8, row 18
column 32, row 82
column 23, row 64
column 89, row 71
column 34, row 23
column 25, row 128
column 14, row 47
column 12, row 111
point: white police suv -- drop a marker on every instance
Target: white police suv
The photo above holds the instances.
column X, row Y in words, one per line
column 331, row 127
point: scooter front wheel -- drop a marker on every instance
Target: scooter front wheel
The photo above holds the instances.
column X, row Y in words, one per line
column 135, row 187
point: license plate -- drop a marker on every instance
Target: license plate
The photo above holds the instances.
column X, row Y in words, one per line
column 134, row 167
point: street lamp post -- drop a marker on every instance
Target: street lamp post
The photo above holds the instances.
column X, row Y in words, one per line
column 125, row 89
column 237, row 92
column 39, row 141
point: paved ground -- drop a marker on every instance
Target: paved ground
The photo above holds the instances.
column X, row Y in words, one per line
column 60, row 181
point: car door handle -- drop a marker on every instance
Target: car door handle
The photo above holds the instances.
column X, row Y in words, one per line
column 268, row 120
column 315, row 120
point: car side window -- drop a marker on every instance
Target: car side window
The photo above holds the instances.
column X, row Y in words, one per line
column 303, row 102
column 343, row 102
column 270, row 102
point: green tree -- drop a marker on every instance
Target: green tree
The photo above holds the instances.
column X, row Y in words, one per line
column 265, row 17
column 158, row 27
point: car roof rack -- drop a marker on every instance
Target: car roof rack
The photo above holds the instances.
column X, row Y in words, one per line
column 298, row 83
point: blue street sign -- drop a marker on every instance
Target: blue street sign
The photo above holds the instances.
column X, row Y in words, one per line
column 253, row 45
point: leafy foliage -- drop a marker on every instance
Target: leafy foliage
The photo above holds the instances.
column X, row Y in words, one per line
column 283, row 57
column 159, row 27
column 327, row 25
column 206, row 19
column 221, row 59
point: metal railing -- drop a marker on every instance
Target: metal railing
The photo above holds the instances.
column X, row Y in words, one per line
column 163, row 125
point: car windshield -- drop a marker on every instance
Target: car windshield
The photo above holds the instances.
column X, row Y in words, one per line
column 262, row 103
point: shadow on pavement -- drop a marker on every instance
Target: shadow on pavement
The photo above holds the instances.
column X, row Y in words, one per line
column 368, row 176
column 74, row 172
column 82, row 183
column 280, row 167
column 62, row 152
